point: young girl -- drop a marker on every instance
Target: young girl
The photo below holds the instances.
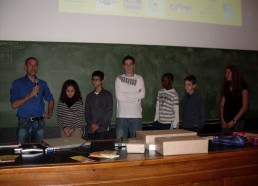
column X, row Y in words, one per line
column 234, row 101
column 70, row 111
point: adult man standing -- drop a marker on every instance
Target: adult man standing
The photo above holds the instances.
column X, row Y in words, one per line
column 28, row 94
column 130, row 91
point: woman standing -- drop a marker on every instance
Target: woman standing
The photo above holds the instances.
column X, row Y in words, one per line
column 234, row 101
column 70, row 110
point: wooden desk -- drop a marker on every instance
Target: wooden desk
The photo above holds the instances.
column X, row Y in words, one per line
column 227, row 167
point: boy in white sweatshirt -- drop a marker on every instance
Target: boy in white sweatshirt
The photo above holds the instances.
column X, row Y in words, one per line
column 130, row 90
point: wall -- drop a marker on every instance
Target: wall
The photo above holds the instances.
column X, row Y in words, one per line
column 40, row 20
column 59, row 61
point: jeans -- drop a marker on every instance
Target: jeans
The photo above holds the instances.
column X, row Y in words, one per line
column 237, row 127
column 30, row 131
column 125, row 125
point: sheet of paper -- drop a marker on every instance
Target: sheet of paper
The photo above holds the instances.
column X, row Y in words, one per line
column 82, row 159
column 8, row 158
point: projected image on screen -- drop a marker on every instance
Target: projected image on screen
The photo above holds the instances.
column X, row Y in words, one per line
column 106, row 6
column 225, row 12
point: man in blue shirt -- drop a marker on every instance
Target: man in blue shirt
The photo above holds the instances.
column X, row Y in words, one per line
column 28, row 94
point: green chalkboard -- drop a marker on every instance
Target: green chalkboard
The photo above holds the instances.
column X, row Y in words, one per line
column 61, row 61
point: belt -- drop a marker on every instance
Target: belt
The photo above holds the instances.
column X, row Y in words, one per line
column 34, row 118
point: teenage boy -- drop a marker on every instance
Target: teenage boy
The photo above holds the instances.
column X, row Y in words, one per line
column 193, row 106
column 130, row 90
column 98, row 108
column 28, row 94
column 167, row 106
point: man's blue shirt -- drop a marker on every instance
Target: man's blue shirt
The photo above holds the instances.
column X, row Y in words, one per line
column 35, row 106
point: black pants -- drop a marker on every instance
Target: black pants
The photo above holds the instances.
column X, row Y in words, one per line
column 194, row 129
column 97, row 136
column 160, row 126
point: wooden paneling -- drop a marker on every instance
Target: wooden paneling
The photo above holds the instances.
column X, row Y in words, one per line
column 238, row 167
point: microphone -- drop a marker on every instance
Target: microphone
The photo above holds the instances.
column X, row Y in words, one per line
column 37, row 83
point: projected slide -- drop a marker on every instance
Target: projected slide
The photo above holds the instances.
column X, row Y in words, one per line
column 225, row 12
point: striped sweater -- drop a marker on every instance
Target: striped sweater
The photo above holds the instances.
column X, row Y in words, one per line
column 167, row 107
column 70, row 117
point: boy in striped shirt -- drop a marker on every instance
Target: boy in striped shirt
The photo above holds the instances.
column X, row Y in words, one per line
column 167, row 106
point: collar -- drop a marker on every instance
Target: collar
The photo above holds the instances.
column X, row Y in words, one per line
column 97, row 93
column 28, row 79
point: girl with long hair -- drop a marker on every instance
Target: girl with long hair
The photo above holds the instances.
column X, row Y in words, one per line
column 70, row 112
column 234, row 100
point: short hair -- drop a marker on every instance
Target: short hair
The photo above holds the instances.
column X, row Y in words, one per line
column 191, row 78
column 31, row 58
column 98, row 73
column 128, row 57
column 168, row 75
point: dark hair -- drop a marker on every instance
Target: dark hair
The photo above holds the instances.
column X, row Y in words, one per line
column 128, row 57
column 191, row 78
column 31, row 58
column 99, row 74
column 77, row 94
column 168, row 75
column 236, row 84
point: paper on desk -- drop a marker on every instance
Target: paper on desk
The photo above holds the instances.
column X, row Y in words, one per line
column 8, row 158
column 82, row 159
column 209, row 137
column 10, row 146
column 104, row 154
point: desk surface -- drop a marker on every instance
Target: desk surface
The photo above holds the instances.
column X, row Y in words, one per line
column 64, row 156
column 224, row 165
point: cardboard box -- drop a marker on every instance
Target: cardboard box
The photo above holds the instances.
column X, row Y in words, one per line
column 148, row 136
column 135, row 146
column 181, row 145
column 247, row 134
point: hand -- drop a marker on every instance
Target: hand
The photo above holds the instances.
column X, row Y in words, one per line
column 34, row 91
column 177, row 126
column 224, row 124
column 47, row 115
column 94, row 127
column 231, row 124
column 68, row 132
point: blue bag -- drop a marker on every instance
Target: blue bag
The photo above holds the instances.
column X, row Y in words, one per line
column 229, row 140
